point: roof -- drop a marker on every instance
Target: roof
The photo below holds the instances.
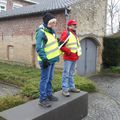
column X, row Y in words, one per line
column 115, row 35
column 33, row 1
column 44, row 5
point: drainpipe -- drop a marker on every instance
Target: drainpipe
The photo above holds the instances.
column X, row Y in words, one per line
column 67, row 14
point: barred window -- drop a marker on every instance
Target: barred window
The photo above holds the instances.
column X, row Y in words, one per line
column 16, row 5
column 3, row 5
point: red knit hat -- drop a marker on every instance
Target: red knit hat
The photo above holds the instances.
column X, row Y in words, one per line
column 72, row 22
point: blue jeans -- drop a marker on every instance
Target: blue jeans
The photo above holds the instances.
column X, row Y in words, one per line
column 46, row 81
column 67, row 75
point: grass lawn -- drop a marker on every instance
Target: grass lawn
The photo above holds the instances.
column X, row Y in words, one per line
column 27, row 78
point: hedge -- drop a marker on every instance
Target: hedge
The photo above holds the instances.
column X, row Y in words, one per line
column 111, row 52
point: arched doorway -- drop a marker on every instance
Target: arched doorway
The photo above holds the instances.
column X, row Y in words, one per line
column 86, row 65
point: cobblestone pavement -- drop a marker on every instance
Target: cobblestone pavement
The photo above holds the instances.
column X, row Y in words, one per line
column 8, row 90
column 105, row 104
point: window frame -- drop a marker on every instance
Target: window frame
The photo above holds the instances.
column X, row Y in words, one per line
column 16, row 5
column 3, row 3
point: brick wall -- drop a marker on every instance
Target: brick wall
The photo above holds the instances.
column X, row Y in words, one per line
column 17, row 37
column 10, row 3
column 28, row 24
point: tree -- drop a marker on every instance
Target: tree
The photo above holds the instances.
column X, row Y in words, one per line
column 113, row 16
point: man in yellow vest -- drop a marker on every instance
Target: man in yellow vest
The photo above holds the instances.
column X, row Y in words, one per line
column 72, row 50
column 48, row 55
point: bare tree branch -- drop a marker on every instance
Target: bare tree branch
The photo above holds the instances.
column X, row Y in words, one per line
column 113, row 13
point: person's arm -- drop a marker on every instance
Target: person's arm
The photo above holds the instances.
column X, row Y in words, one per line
column 40, row 44
column 63, row 37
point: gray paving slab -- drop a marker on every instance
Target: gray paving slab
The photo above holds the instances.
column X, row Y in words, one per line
column 105, row 104
column 109, row 85
column 102, row 107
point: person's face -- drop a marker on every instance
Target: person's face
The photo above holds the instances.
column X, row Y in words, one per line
column 73, row 27
column 52, row 25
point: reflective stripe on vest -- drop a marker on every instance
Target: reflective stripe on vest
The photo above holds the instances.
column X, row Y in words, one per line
column 73, row 44
column 51, row 47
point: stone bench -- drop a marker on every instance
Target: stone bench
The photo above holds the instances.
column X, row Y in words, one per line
column 74, row 107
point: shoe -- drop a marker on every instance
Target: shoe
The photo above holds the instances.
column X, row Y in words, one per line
column 74, row 90
column 52, row 98
column 65, row 93
column 45, row 103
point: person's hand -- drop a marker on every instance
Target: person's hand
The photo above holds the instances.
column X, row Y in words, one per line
column 45, row 63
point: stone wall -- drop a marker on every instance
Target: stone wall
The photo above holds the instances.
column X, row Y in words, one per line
column 91, row 18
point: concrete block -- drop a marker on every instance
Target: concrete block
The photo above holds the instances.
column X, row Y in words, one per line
column 74, row 107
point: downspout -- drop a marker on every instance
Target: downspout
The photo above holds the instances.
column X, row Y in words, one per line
column 67, row 14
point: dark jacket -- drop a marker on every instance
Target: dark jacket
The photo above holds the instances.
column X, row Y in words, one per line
column 41, row 40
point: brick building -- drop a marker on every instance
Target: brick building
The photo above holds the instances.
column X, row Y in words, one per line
column 17, row 31
column 7, row 5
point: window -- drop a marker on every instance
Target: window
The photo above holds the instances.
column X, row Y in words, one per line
column 3, row 5
column 10, row 52
column 16, row 5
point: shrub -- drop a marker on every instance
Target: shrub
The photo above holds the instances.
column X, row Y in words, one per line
column 115, row 69
column 111, row 52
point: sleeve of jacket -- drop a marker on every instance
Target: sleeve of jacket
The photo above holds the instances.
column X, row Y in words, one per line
column 40, row 44
column 63, row 37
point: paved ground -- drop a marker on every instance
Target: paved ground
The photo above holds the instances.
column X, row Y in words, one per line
column 7, row 90
column 105, row 104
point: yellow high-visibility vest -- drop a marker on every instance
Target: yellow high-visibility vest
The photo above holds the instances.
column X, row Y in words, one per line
column 51, row 48
column 74, row 45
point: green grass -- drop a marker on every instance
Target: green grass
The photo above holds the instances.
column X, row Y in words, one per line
column 27, row 78
column 17, row 75
column 114, row 70
column 10, row 101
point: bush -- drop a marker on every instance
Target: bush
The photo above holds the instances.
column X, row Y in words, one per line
column 115, row 70
column 32, row 88
column 111, row 52
column 10, row 101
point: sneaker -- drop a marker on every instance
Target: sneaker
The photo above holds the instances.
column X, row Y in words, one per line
column 45, row 103
column 74, row 90
column 65, row 93
column 52, row 98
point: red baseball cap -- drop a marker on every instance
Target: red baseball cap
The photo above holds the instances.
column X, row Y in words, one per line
column 72, row 22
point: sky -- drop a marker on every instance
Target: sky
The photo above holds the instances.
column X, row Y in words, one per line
column 116, row 18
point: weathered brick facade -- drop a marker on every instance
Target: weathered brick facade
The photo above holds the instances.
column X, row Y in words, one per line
column 10, row 3
column 19, row 33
